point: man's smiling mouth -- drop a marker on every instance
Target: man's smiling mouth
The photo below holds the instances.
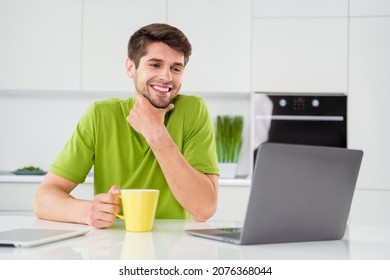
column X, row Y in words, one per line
column 163, row 89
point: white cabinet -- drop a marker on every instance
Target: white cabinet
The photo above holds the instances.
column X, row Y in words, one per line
column 370, row 207
column 300, row 47
column 220, row 33
column 369, row 8
column 369, row 86
column 18, row 196
column 40, row 44
column 369, row 99
column 107, row 27
column 81, row 45
column 300, row 8
column 232, row 203
column 221, row 51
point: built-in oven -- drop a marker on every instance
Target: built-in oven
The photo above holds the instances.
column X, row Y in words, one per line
column 300, row 119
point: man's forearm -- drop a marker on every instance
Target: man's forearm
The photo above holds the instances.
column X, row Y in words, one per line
column 64, row 209
column 195, row 191
column 52, row 202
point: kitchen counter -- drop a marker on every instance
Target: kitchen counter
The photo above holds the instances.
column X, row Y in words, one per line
column 168, row 241
column 9, row 177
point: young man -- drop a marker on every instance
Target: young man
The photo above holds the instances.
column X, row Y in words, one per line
column 158, row 139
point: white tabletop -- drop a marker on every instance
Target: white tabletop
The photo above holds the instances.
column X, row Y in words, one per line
column 169, row 241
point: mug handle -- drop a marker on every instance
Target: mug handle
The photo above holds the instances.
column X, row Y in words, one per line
column 119, row 215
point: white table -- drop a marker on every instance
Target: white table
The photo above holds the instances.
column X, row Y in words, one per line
column 169, row 241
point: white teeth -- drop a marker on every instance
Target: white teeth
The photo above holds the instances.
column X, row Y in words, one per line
column 165, row 89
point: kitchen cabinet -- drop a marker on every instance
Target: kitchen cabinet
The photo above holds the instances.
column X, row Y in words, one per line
column 221, row 43
column 40, row 45
column 369, row 65
column 369, row 8
column 369, row 99
column 110, row 22
column 300, row 47
column 107, row 27
column 18, row 196
column 232, row 202
column 300, row 8
column 81, row 45
column 370, row 207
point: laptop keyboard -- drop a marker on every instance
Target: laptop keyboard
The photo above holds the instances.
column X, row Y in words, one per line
column 234, row 233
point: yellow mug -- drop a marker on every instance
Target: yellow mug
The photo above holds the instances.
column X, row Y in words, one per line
column 139, row 208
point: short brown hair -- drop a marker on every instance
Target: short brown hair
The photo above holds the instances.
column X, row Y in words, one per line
column 157, row 32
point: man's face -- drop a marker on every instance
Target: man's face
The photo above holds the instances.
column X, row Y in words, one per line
column 159, row 73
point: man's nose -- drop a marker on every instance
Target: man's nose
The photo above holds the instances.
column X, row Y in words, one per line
column 166, row 74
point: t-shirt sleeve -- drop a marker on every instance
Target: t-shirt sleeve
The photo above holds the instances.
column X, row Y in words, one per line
column 199, row 142
column 77, row 156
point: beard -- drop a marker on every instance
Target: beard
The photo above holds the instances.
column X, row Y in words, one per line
column 159, row 101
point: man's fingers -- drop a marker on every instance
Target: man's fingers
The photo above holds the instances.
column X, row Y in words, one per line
column 115, row 189
column 140, row 98
column 104, row 201
column 101, row 219
column 169, row 107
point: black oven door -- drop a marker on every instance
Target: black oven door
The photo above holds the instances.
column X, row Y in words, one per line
column 309, row 130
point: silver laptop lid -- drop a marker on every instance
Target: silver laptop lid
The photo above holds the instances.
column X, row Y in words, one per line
column 30, row 237
column 300, row 193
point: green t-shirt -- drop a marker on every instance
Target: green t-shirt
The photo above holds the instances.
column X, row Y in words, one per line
column 104, row 139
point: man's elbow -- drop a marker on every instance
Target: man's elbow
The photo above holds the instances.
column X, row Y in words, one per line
column 202, row 216
column 38, row 206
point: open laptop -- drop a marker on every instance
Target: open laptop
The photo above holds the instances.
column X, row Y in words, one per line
column 298, row 193
column 30, row 237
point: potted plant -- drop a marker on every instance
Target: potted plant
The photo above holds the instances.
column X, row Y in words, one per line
column 228, row 139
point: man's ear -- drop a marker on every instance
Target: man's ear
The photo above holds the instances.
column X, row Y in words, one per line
column 130, row 67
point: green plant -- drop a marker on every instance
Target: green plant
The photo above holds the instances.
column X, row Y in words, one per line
column 228, row 137
column 29, row 168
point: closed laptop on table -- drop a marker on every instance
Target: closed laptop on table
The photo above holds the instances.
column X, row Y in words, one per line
column 30, row 237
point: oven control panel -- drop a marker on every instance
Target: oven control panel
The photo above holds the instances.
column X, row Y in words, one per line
column 310, row 105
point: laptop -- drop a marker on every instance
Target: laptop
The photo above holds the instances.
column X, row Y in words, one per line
column 30, row 237
column 298, row 193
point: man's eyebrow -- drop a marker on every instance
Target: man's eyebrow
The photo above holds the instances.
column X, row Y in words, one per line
column 155, row 59
column 161, row 60
column 179, row 64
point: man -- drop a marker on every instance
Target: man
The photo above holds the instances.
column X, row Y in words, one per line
column 158, row 139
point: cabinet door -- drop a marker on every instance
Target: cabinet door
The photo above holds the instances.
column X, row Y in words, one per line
column 369, row 99
column 232, row 203
column 300, row 55
column 17, row 196
column 369, row 8
column 40, row 44
column 107, row 27
column 300, row 8
column 220, row 33
column 370, row 207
